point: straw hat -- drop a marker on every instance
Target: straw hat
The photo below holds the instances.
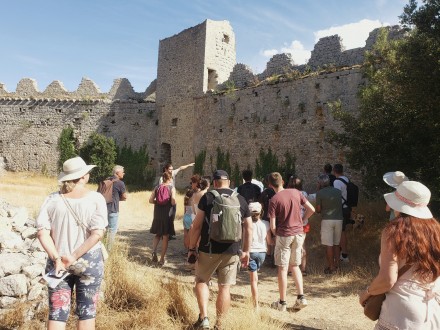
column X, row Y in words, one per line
column 74, row 168
column 393, row 179
column 412, row 198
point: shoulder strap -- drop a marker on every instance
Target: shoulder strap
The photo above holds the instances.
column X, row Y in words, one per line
column 75, row 216
column 215, row 193
column 340, row 179
column 403, row 270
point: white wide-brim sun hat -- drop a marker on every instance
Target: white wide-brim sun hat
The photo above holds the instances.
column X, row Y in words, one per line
column 393, row 179
column 74, row 168
column 412, row 198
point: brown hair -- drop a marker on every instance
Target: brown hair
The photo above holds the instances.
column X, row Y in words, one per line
column 188, row 195
column 275, row 179
column 417, row 241
column 295, row 182
column 196, row 179
column 166, row 176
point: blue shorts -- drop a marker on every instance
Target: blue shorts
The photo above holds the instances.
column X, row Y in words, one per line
column 256, row 260
column 187, row 221
column 86, row 275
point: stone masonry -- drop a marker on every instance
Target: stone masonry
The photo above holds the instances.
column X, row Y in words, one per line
column 181, row 113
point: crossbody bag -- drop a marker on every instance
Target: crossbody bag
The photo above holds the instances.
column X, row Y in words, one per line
column 81, row 224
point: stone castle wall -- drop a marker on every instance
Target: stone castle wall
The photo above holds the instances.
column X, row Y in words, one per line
column 31, row 128
column 177, row 116
column 292, row 116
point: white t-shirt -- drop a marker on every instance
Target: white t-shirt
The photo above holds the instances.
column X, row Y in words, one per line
column 65, row 232
column 338, row 184
column 173, row 174
column 259, row 232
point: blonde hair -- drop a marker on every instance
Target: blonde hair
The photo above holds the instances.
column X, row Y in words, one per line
column 68, row 186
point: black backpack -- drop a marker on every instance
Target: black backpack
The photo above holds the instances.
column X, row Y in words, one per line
column 352, row 193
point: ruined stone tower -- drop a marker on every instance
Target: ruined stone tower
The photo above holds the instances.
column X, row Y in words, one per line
column 189, row 64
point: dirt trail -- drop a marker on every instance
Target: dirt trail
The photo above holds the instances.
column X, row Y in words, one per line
column 332, row 304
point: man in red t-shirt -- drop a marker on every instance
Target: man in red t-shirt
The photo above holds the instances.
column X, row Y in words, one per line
column 286, row 224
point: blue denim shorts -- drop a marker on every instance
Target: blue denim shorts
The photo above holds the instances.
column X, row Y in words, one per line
column 256, row 260
column 86, row 275
column 187, row 221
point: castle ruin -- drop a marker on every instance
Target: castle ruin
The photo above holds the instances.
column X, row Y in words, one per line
column 181, row 113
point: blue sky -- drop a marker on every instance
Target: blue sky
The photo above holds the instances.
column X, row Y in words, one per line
column 103, row 40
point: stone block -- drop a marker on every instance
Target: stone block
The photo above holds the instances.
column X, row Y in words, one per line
column 29, row 232
column 10, row 241
column 35, row 291
column 20, row 217
column 13, row 285
column 7, row 301
column 12, row 263
column 33, row 271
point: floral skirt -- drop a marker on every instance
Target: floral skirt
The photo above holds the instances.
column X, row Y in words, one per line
column 86, row 275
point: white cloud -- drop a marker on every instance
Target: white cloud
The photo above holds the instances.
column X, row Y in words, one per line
column 296, row 48
column 269, row 52
column 353, row 34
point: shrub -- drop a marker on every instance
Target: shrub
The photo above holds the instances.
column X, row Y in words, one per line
column 137, row 166
column 66, row 146
column 100, row 151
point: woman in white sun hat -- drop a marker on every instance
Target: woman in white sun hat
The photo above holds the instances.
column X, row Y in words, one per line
column 393, row 179
column 70, row 226
column 409, row 263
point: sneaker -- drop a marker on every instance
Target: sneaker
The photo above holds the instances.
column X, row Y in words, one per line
column 277, row 305
column 300, row 303
column 344, row 259
column 172, row 237
column 201, row 324
column 154, row 259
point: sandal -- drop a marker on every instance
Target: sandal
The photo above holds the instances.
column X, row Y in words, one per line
column 154, row 259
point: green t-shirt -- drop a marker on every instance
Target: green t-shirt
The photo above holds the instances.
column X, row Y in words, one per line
column 329, row 198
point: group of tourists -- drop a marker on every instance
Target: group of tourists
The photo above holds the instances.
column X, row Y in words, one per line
column 226, row 228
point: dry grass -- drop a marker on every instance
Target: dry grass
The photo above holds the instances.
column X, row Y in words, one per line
column 141, row 297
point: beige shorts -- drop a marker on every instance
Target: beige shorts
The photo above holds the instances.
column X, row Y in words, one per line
column 288, row 250
column 225, row 265
column 331, row 232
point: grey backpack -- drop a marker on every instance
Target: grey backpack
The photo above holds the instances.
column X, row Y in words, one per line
column 225, row 224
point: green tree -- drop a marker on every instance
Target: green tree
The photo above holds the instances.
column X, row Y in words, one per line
column 100, row 151
column 223, row 161
column 199, row 162
column 398, row 125
column 138, row 171
column 236, row 176
column 66, row 146
column 267, row 162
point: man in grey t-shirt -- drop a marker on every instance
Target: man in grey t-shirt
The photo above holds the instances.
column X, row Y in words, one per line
column 328, row 203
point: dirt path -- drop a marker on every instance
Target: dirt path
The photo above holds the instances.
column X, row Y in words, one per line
column 332, row 300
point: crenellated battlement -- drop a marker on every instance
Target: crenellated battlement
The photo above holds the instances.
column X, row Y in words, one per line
column 121, row 89
column 292, row 114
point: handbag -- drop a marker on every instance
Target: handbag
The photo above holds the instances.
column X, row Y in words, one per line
column 81, row 224
column 373, row 305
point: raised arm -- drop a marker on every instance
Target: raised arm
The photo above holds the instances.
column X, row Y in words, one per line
column 181, row 168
